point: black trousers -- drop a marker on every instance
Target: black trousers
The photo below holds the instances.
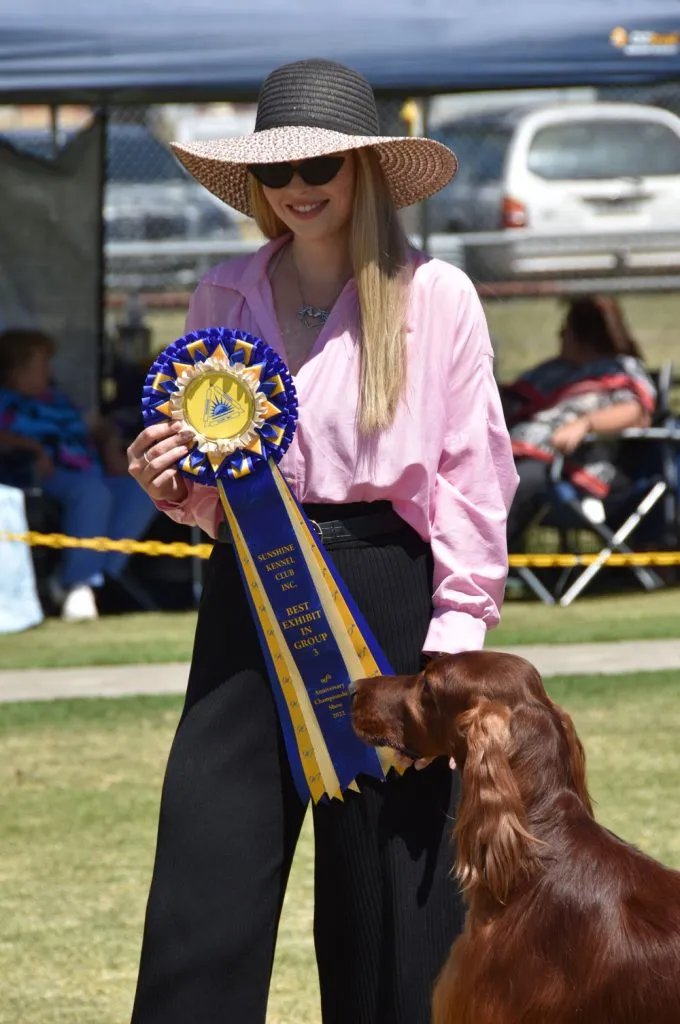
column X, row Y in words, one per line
column 386, row 907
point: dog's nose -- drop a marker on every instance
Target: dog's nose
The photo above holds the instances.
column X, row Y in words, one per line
column 352, row 689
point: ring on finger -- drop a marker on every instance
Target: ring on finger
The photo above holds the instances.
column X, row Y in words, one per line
column 146, row 458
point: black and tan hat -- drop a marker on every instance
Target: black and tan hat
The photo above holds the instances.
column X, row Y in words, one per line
column 315, row 108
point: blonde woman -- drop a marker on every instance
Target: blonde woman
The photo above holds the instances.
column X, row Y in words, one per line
column 402, row 459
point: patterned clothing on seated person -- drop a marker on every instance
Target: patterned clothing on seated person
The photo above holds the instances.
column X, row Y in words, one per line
column 558, row 392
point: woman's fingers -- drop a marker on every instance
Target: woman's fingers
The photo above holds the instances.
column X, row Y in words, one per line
column 147, row 460
column 157, row 461
column 422, row 762
column 151, row 436
column 153, row 458
column 157, row 456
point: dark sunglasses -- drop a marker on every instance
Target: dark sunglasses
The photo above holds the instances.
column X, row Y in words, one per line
column 319, row 170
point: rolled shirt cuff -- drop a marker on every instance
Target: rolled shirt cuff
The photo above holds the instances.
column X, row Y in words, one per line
column 452, row 631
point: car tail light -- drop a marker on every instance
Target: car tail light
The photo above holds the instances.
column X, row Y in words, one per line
column 514, row 213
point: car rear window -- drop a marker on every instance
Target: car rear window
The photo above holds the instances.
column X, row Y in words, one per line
column 594, row 149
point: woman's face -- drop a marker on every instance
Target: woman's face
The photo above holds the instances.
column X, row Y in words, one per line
column 316, row 212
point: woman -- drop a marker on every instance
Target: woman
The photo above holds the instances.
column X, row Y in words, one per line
column 83, row 469
column 597, row 385
column 401, row 438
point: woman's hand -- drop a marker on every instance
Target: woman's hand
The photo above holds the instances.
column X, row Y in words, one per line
column 153, row 457
column 423, row 762
column 569, row 436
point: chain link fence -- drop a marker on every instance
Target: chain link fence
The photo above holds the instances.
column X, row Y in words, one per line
column 558, row 192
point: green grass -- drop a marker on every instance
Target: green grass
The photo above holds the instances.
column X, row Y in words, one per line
column 142, row 638
column 79, row 791
column 634, row 616
column 152, row 637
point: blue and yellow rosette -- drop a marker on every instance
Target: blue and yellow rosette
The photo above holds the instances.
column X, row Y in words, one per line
column 237, row 397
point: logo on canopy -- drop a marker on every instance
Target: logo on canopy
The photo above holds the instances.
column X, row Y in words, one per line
column 644, row 43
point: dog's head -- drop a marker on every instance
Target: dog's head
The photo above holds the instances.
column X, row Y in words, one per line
column 514, row 747
column 428, row 715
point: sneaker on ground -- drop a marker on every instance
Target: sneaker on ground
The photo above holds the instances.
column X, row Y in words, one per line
column 79, row 605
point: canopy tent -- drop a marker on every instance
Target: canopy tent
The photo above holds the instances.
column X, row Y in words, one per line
column 127, row 51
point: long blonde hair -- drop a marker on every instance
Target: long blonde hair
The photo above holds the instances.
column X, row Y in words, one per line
column 379, row 255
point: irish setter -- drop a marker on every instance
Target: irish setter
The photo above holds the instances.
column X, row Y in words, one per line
column 566, row 924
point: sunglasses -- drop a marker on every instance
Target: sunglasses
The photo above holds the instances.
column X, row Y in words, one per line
column 319, row 170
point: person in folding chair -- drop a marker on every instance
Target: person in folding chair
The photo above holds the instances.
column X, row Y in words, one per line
column 596, row 385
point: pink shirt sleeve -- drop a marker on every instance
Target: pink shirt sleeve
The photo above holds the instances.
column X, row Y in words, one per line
column 475, row 485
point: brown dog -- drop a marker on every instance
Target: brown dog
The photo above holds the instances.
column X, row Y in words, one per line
column 567, row 924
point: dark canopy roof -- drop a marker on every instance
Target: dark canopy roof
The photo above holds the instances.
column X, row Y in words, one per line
column 153, row 50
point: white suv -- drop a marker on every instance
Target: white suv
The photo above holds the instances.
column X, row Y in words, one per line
column 589, row 188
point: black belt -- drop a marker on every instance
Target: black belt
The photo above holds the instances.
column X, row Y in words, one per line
column 355, row 527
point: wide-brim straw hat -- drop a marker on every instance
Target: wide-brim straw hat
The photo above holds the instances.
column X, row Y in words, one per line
column 314, row 108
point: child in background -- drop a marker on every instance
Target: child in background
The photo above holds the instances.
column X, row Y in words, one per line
column 83, row 468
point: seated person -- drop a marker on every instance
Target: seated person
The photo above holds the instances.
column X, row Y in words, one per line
column 84, row 469
column 596, row 385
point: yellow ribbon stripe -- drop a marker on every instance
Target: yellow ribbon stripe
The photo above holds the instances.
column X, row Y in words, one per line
column 315, row 758
column 357, row 657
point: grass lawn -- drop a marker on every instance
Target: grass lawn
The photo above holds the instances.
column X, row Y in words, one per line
column 151, row 637
column 79, row 790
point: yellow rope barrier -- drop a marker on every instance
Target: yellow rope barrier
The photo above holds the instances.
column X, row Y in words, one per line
column 566, row 561
column 178, row 549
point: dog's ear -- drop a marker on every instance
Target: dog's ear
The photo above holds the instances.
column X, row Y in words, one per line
column 577, row 758
column 494, row 845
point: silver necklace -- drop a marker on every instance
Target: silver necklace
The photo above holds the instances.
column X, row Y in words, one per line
column 310, row 316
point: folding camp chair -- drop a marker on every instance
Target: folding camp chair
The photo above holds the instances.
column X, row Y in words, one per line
column 650, row 456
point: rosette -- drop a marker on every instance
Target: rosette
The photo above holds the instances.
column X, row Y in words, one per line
column 233, row 392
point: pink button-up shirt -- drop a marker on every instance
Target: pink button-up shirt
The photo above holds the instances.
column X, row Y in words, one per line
column 445, row 464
